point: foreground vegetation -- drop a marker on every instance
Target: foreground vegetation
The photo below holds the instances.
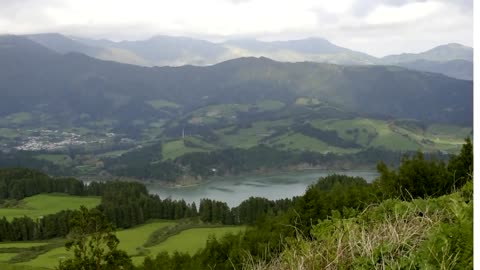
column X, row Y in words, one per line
column 343, row 222
column 434, row 233
column 417, row 216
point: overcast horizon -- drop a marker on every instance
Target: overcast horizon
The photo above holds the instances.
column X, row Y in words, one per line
column 375, row 27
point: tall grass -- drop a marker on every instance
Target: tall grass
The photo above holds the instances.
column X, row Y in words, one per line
column 432, row 233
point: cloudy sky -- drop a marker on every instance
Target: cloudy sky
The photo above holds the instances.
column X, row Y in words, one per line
column 377, row 27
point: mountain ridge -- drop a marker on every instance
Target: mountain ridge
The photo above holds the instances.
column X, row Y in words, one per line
column 163, row 50
column 362, row 89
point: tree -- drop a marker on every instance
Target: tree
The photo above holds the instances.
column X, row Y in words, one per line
column 416, row 177
column 461, row 166
column 94, row 244
column 419, row 177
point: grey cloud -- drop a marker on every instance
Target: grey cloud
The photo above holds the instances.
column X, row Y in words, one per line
column 27, row 12
column 362, row 8
column 354, row 32
column 464, row 5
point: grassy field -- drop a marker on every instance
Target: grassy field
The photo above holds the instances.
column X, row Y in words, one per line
column 192, row 240
column 44, row 204
column 398, row 135
column 8, row 133
column 116, row 153
column 49, row 259
column 132, row 241
column 176, row 148
column 296, row 141
column 270, row 105
column 59, row 159
column 249, row 137
column 21, row 244
column 18, row 118
column 395, row 136
column 6, row 266
column 4, row 257
column 160, row 103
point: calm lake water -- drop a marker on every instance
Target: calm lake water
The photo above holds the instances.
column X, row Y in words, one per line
column 235, row 189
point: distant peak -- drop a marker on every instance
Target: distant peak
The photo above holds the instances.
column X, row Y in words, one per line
column 250, row 59
column 317, row 39
column 452, row 46
column 455, row 45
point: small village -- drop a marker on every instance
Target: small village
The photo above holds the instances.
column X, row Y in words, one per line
column 50, row 140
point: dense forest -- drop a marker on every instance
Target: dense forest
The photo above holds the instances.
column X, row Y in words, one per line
column 146, row 163
column 125, row 204
column 276, row 226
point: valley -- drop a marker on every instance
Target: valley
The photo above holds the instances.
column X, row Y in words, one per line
column 181, row 153
column 92, row 154
column 84, row 117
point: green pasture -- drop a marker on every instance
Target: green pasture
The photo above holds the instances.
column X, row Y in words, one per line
column 192, row 240
column 251, row 136
column 161, row 103
column 44, row 204
column 297, row 141
column 6, row 266
column 132, row 241
column 270, row 105
column 8, row 133
column 174, row 149
column 49, row 259
column 24, row 244
column 397, row 136
column 116, row 153
column 58, row 159
column 19, row 118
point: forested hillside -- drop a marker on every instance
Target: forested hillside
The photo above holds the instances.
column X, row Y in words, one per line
column 78, row 88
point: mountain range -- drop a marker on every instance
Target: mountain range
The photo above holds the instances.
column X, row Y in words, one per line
column 453, row 60
column 76, row 114
column 74, row 86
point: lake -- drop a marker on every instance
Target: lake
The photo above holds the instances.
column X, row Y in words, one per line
column 235, row 189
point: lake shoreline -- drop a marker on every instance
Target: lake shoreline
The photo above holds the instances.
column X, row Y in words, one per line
column 272, row 185
column 191, row 181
